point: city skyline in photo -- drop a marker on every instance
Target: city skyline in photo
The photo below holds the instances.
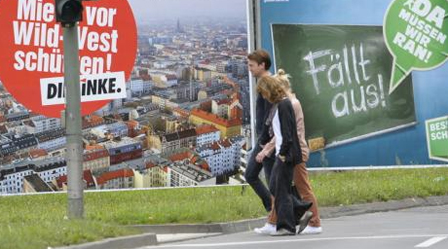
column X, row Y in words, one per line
column 148, row 11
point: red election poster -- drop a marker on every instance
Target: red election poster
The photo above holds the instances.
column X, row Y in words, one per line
column 32, row 61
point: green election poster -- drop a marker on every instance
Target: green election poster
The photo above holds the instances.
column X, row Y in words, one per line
column 416, row 35
column 437, row 138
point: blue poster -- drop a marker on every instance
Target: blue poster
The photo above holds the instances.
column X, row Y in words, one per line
column 296, row 31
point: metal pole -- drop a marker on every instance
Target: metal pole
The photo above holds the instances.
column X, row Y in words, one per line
column 73, row 125
column 252, row 45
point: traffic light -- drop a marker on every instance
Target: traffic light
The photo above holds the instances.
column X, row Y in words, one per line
column 68, row 12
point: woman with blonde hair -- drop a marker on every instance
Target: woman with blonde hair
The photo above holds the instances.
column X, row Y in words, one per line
column 281, row 124
column 301, row 179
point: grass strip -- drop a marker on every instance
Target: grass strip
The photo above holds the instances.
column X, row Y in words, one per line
column 39, row 221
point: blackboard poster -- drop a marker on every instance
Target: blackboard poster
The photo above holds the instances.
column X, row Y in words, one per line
column 340, row 73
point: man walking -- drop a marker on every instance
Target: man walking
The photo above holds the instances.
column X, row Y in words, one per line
column 259, row 63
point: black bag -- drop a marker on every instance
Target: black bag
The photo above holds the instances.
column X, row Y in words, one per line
column 300, row 206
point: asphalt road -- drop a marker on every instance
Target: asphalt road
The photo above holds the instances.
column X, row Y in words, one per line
column 423, row 227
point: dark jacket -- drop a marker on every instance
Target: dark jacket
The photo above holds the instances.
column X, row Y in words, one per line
column 290, row 147
column 261, row 112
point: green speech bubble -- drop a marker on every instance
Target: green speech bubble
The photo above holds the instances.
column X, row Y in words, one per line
column 416, row 33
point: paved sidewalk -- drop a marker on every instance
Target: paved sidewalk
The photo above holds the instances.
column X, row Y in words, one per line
column 157, row 234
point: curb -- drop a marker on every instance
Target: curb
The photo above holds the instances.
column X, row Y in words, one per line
column 227, row 227
column 149, row 238
column 132, row 241
column 332, row 212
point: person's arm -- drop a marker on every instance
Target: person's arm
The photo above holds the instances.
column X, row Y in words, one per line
column 269, row 147
column 286, row 120
column 289, row 132
column 266, row 151
column 298, row 112
column 299, row 116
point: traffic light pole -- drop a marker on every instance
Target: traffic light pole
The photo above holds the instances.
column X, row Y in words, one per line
column 73, row 123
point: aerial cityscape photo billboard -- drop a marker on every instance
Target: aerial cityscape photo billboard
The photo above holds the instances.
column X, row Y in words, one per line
column 181, row 119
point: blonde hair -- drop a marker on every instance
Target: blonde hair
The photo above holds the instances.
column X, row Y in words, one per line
column 283, row 78
column 271, row 89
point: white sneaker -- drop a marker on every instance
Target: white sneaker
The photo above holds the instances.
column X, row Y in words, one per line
column 282, row 232
column 312, row 230
column 266, row 229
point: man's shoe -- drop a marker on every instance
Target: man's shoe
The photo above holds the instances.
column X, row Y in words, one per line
column 312, row 230
column 282, row 232
column 266, row 229
column 304, row 220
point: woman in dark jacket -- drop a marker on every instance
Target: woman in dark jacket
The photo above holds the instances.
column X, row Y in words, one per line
column 281, row 123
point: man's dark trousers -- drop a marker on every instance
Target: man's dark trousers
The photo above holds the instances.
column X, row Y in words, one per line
column 253, row 169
